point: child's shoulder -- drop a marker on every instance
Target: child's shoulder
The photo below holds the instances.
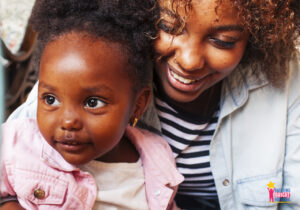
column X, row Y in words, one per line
column 20, row 124
column 20, row 134
column 19, row 128
column 156, row 155
column 150, row 144
column 145, row 138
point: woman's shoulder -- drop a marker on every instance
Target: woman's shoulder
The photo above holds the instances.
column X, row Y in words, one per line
column 293, row 83
column 246, row 77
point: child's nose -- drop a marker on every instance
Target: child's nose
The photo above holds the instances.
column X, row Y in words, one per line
column 70, row 121
column 71, row 125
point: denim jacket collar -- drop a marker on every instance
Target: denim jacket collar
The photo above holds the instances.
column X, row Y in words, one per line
column 236, row 87
column 235, row 92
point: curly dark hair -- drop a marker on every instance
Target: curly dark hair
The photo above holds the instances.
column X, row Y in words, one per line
column 130, row 23
column 274, row 27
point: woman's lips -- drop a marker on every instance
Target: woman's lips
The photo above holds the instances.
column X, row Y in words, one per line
column 182, row 83
column 182, row 79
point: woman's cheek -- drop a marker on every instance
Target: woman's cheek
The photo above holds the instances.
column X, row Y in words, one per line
column 223, row 61
column 163, row 43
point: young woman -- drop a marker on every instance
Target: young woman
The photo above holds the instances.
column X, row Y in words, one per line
column 227, row 100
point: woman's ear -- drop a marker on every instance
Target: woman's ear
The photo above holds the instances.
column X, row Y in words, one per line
column 142, row 101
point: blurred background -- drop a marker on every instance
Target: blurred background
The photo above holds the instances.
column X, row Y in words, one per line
column 18, row 44
column 1, row 91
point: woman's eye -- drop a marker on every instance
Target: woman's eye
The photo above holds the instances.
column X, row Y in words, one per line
column 169, row 28
column 165, row 28
column 51, row 100
column 223, row 44
column 94, row 103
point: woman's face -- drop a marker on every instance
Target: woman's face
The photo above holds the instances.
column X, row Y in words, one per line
column 206, row 51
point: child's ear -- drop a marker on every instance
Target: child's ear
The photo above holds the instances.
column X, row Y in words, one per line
column 142, row 101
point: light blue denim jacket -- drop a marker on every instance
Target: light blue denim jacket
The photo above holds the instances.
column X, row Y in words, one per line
column 257, row 139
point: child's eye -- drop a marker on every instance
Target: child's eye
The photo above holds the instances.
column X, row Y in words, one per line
column 94, row 103
column 223, row 44
column 51, row 100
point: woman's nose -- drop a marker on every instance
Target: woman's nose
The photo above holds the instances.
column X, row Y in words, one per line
column 70, row 120
column 189, row 56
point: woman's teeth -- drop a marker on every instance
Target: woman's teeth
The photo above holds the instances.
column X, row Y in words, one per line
column 181, row 79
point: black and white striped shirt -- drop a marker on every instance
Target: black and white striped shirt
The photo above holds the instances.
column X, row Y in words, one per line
column 190, row 141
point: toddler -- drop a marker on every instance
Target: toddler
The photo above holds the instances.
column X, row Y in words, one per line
column 80, row 152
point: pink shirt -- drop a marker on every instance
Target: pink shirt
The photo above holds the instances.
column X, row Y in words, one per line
column 29, row 163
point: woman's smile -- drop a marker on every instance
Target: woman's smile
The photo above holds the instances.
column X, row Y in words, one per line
column 205, row 51
column 184, row 83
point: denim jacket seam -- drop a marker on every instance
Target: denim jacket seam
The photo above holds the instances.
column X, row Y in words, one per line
column 259, row 177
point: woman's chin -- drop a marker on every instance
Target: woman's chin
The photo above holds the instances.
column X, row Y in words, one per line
column 180, row 96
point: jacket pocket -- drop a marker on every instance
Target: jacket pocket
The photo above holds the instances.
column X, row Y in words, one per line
column 39, row 188
column 253, row 191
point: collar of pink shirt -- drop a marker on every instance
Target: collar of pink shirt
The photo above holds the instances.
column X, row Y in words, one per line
column 161, row 175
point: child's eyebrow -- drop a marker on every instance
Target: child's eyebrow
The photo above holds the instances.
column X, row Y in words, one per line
column 43, row 85
column 97, row 88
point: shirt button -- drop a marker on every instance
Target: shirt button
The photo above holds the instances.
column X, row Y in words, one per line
column 226, row 182
column 39, row 193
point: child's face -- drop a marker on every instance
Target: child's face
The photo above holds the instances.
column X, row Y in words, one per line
column 85, row 97
column 205, row 52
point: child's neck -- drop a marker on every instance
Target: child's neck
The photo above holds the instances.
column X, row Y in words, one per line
column 125, row 151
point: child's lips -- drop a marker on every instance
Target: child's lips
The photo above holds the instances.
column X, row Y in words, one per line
column 72, row 138
column 70, row 142
column 73, row 145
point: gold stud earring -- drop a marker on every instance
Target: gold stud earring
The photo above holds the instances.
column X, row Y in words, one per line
column 175, row 60
column 135, row 122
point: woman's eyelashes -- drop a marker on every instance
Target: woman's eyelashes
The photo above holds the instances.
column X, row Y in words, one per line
column 170, row 22
column 175, row 29
column 169, row 28
column 222, row 44
column 94, row 103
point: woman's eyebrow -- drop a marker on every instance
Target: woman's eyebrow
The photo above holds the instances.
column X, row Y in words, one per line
column 168, row 12
column 227, row 28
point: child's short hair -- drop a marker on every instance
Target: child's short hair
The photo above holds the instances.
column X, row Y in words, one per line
column 130, row 23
